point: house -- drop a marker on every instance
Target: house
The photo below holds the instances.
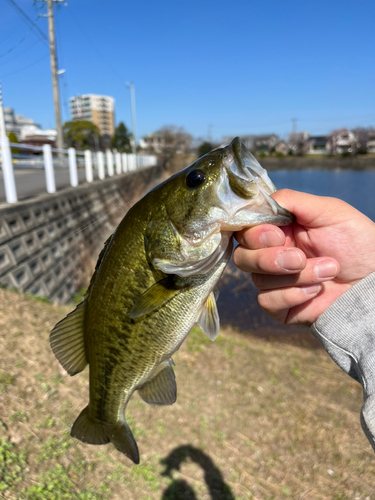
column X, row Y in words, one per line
column 281, row 147
column 318, row 144
column 167, row 141
column 39, row 140
column 265, row 143
column 341, row 141
column 371, row 141
column 152, row 143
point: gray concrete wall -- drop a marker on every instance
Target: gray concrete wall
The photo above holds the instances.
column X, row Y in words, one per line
column 49, row 245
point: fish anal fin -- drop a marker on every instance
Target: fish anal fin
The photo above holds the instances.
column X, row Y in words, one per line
column 161, row 389
column 67, row 341
column 209, row 320
column 89, row 431
column 154, row 297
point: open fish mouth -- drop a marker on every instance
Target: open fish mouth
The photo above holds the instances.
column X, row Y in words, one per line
column 247, row 189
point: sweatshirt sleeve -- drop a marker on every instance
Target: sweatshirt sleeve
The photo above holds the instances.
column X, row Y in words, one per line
column 346, row 330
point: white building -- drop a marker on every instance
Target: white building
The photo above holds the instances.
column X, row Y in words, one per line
column 24, row 128
column 98, row 109
column 17, row 123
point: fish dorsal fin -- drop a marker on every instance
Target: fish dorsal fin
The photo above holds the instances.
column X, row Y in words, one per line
column 209, row 320
column 67, row 341
column 154, row 297
column 161, row 389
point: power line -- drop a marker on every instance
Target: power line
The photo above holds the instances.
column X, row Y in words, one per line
column 30, row 21
column 21, row 53
column 18, row 44
column 25, row 67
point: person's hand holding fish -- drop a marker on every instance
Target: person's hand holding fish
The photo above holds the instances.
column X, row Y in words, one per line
column 320, row 271
column 303, row 268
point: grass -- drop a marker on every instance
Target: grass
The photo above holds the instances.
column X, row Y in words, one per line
column 253, row 420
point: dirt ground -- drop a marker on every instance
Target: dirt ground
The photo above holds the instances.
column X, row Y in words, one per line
column 253, row 420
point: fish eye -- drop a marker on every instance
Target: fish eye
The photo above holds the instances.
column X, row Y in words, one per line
column 195, row 178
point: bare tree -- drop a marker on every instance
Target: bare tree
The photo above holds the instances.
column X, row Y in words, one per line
column 361, row 137
column 299, row 143
column 174, row 140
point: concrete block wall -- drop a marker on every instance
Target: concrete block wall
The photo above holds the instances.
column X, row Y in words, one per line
column 49, row 245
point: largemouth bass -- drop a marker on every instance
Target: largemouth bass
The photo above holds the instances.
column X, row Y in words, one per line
column 154, row 279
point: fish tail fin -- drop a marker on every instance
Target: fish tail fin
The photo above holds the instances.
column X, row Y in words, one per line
column 89, row 431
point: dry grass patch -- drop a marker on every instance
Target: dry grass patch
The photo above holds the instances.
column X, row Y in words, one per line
column 253, row 420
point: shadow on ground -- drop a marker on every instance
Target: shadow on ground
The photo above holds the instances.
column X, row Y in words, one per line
column 179, row 489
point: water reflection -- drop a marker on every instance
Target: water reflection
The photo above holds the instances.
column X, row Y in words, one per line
column 238, row 307
column 180, row 489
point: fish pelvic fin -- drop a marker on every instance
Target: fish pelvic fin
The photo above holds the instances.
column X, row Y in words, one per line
column 67, row 341
column 209, row 320
column 89, row 431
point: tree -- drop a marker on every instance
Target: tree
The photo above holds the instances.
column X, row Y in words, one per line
column 361, row 137
column 121, row 139
column 13, row 139
column 205, row 148
column 174, row 140
column 299, row 143
column 80, row 134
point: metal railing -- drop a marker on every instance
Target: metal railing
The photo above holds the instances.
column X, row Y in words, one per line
column 102, row 164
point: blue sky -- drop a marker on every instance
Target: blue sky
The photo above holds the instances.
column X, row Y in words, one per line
column 239, row 66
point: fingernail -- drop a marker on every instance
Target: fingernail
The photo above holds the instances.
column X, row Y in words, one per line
column 312, row 289
column 271, row 239
column 289, row 260
column 325, row 269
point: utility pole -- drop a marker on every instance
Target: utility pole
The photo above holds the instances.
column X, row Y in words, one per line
column 130, row 85
column 294, row 127
column 209, row 129
column 54, row 71
column 2, row 120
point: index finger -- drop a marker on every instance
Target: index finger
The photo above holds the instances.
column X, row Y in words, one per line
column 263, row 236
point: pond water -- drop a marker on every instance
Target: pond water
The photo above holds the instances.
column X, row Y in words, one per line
column 237, row 302
column 354, row 187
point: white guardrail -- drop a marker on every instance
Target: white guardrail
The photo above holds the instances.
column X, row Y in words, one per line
column 47, row 158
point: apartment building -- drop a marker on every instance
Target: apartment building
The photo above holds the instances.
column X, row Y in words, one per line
column 98, row 109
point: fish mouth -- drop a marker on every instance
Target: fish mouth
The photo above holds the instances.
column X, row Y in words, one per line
column 249, row 180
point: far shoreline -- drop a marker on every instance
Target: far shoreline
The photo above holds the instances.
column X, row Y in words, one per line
column 358, row 162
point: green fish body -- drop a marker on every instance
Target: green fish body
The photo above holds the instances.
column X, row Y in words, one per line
column 154, row 279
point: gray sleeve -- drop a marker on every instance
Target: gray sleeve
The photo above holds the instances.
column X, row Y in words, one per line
column 347, row 332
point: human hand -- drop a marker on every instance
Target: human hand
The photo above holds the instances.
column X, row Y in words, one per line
column 303, row 268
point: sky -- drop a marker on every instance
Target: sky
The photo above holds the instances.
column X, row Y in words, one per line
column 217, row 68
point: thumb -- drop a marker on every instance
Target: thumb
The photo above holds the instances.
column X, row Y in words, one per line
column 311, row 210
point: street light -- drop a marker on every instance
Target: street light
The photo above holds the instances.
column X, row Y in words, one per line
column 130, row 85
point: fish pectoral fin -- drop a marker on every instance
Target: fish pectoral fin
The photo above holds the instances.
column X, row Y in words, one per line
column 154, row 297
column 67, row 341
column 209, row 320
column 161, row 389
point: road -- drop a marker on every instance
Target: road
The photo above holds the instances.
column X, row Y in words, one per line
column 31, row 181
